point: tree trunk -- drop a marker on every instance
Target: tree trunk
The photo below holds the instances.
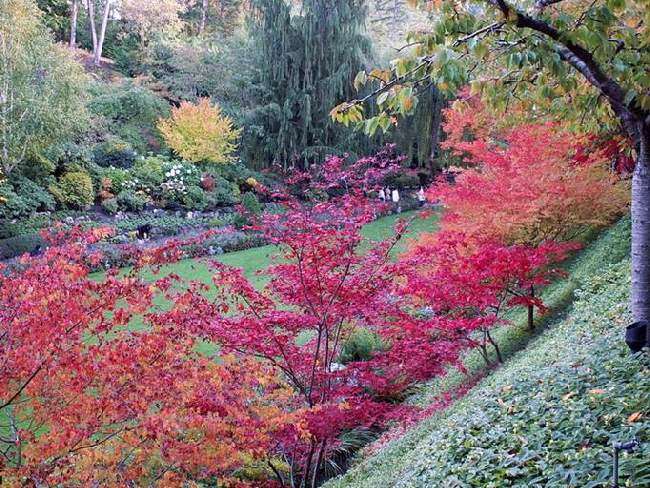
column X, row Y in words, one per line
column 640, row 294
column 102, row 34
column 531, row 310
column 204, row 16
column 435, row 130
column 74, row 14
column 90, row 7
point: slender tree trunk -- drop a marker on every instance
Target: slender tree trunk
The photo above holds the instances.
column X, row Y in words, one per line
column 102, row 34
column 204, row 16
column 494, row 343
column 74, row 15
column 531, row 310
column 90, row 7
column 641, row 230
column 435, row 130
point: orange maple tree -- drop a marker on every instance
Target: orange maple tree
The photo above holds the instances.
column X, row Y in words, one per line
column 523, row 184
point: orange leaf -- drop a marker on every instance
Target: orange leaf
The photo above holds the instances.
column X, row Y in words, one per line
column 634, row 417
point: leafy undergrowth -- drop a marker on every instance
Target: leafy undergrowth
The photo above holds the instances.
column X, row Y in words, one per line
column 548, row 417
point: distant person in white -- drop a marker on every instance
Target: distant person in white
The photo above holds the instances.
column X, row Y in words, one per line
column 421, row 197
column 395, row 198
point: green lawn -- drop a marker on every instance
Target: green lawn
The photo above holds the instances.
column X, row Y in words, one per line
column 255, row 259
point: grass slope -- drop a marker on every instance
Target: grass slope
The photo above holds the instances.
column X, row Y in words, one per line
column 549, row 415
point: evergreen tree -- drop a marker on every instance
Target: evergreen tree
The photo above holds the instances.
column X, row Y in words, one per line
column 310, row 55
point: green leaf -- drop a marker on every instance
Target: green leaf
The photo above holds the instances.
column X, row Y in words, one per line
column 360, row 80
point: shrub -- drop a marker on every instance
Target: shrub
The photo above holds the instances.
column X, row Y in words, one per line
column 21, row 197
column 251, row 203
column 118, row 178
column 194, row 198
column 179, row 177
column 224, row 193
column 74, row 190
column 115, row 153
column 163, row 224
column 18, row 245
column 200, row 133
column 149, row 173
column 111, row 206
column 131, row 200
column 129, row 112
column 19, row 227
column 239, row 220
column 360, row 346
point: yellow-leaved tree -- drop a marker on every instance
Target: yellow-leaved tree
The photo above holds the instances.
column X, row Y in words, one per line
column 200, row 133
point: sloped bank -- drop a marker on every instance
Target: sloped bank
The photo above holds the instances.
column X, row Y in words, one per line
column 549, row 415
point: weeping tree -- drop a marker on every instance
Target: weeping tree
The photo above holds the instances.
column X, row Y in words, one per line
column 310, row 54
column 417, row 134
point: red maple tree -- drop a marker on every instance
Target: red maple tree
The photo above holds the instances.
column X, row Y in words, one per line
column 87, row 397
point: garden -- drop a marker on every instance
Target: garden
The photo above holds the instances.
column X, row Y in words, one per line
column 339, row 244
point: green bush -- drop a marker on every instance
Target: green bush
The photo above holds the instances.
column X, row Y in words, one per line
column 239, row 220
column 149, row 173
column 74, row 190
column 131, row 200
column 119, row 178
column 24, row 226
column 19, row 245
column 360, row 346
column 21, row 197
column 116, row 153
column 111, row 206
column 129, row 112
column 76, row 156
column 224, row 193
column 163, row 224
column 194, row 198
column 251, row 203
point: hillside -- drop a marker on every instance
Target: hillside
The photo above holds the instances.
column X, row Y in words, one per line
column 389, row 21
column 549, row 415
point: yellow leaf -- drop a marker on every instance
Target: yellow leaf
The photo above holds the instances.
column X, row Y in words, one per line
column 569, row 395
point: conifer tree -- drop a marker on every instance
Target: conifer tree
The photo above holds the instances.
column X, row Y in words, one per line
column 311, row 53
